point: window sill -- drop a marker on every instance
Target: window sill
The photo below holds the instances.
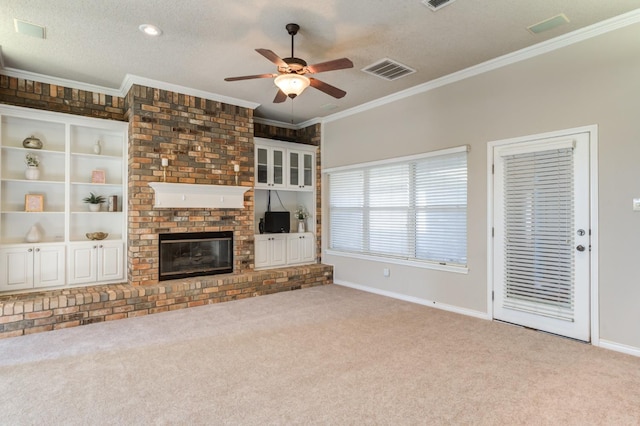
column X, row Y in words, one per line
column 405, row 262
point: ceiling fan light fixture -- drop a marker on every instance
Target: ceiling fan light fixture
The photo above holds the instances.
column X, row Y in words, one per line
column 292, row 84
column 150, row 30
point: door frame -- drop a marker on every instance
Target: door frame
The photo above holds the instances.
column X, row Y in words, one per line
column 592, row 130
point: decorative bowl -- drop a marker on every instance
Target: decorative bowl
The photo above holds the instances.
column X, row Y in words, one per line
column 32, row 142
column 97, row 235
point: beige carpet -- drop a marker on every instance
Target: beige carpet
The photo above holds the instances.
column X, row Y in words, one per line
column 324, row 355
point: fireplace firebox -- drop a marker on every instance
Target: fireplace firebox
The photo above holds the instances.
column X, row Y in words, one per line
column 193, row 254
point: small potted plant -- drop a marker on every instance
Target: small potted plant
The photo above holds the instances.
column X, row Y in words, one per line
column 301, row 214
column 94, row 201
column 32, row 162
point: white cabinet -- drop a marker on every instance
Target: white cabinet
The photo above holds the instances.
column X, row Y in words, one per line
column 270, row 250
column 31, row 266
column 270, row 167
column 98, row 261
column 71, row 167
column 301, row 248
column 301, row 170
column 284, row 165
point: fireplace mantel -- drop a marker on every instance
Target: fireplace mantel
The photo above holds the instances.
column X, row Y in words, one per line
column 186, row 195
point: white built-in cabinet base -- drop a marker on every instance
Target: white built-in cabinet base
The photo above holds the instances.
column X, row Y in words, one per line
column 277, row 250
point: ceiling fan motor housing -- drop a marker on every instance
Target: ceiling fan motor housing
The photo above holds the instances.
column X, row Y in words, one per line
column 296, row 65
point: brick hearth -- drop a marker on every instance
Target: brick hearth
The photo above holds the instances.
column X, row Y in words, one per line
column 52, row 310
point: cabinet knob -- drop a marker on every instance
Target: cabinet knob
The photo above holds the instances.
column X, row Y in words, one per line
column 95, row 247
column 101, row 246
column 30, row 250
column 37, row 249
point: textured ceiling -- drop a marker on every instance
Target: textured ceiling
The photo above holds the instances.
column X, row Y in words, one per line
column 204, row 41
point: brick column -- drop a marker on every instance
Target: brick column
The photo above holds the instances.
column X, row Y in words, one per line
column 203, row 140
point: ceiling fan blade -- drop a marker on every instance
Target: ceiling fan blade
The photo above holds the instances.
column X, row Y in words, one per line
column 272, row 57
column 249, row 77
column 280, row 97
column 327, row 88
column 336, row 64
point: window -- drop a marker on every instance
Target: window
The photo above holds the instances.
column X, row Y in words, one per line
column 412, row 208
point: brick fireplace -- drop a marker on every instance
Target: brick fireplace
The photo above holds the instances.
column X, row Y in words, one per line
column 202, row 140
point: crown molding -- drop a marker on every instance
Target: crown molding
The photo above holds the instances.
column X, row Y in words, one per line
column 302, row 125
column 72, row 84
column 577, row 36
column 130, row 80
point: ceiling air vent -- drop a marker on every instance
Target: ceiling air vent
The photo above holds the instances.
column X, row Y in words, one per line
column 437, row 4
column 388, row 69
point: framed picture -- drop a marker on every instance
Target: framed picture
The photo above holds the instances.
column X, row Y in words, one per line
column 33, row 203
column 97, row 176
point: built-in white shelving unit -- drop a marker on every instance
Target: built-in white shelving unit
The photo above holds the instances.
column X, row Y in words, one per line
column 69, row 166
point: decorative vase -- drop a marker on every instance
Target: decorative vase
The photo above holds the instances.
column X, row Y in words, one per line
column 33, row 236
column 301, row 226
column 94, row 207
column 261, row 226
column 97, row 149
column 32, row 173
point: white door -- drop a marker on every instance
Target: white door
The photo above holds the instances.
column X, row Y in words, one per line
column 48, row 266
column 541, row 245
column 82, row 263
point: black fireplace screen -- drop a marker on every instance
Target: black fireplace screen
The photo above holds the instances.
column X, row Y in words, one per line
column 193, row 254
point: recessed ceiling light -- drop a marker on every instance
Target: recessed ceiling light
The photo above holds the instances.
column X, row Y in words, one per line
column 150, row 30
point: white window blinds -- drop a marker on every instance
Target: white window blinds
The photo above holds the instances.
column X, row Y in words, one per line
column 539, row 223
column 412, row 209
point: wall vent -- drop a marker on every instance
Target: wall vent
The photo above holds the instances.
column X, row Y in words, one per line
column 436, row 4
column 388, row 69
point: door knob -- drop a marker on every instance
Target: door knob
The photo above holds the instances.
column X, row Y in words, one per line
column 580, row 248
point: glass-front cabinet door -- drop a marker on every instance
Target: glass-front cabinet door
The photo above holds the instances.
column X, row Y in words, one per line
column 300, row 170
column 270, row 167
column 262, row 166
column 277, row 156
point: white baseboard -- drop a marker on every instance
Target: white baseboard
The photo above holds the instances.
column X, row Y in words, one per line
column 619, row 347
column 417, row 300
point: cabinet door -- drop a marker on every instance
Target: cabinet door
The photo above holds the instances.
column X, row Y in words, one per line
column 261, row 252
column 308, row 166
column 82, row 263
column 294, row 169
column 278, row 250
column 308, row 248
column 277, row 167
column 48, row 266
column 16, row 268
column 262, row 166
column 294, row 254
column 110, row 263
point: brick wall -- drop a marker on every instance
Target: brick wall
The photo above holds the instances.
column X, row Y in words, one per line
column 33, row 94
column 203, row 140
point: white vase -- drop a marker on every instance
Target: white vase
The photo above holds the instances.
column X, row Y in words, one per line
column 97, row 149
column 33, row 236
column 94, row 207
column 301, row 226
column 32, row 173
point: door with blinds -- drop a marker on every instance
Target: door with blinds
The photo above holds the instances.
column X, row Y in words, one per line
column 541, row 237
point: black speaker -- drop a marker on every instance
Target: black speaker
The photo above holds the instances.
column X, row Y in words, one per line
column 277, row 222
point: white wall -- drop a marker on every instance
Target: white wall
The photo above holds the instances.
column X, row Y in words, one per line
column 596, row 81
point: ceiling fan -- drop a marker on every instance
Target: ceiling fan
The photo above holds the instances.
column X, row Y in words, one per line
column 291, row 79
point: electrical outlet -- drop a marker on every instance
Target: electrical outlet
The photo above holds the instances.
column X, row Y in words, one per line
column 636, row 204
column 386, row 272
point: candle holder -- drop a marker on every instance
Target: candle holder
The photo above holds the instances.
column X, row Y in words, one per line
column 165, row 163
